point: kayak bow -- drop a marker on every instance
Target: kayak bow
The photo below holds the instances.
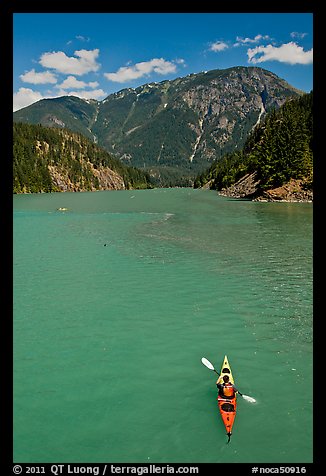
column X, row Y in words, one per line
column 227, row 406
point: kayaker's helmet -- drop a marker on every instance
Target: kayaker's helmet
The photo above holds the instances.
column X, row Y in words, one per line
column 225, row 378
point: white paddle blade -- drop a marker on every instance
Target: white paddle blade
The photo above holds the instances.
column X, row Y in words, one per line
column 207, row 363
column 249, row 399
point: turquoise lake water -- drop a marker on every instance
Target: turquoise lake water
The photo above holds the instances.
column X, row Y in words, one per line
column 118, row 298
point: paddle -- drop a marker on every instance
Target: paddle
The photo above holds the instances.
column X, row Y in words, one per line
column 210, row 366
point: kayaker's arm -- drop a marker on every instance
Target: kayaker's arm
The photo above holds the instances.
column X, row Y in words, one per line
column 219, row 388
column 210, row 366
column 237, row 391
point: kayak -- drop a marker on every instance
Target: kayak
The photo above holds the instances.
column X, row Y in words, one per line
column 227, row 406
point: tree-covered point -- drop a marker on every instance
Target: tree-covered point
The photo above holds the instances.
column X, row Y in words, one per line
column 278, row 149
column 37, row 150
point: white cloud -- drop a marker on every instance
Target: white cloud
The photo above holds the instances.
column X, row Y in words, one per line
column 246, row 41
column 92, row 94
column 59, row 61
column 296, row 34
column 156, row 65
column 24, row 97
column 287, row 53
column 218, row 46
column 180, row 61
column 93, row 84
column 38, row 78
column 82, row 38
column 79, row 38
column 71, row 82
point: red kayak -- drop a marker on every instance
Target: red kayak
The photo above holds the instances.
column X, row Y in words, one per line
column 227, row 406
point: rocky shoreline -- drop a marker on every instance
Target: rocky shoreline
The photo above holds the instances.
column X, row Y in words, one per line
column 248, row 188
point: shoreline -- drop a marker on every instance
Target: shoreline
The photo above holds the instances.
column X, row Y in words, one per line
column 294, row 191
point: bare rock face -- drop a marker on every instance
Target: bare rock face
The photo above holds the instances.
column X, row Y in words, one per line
column 58, row 160
column 107, row 179
column 293, row 191
column 248, row 188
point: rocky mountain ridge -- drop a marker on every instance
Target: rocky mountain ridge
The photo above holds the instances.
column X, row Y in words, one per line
column 173, row 129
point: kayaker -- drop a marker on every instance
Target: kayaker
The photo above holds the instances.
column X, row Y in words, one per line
column 226, row 389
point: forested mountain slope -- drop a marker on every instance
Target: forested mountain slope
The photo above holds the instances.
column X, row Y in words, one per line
column 48, row 160
column 279, row 151
column 173, row 129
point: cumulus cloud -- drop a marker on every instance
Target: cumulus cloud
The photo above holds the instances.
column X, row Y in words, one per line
column 24, row 97
column 290, row 53
column 245, row 41
column 83, row 62
column 90, row 94
column 144, row 68
column 218, row 46
column 71, row 82
column 93, row 94
column 33, row 77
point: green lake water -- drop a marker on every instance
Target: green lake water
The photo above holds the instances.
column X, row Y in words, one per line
column 117, row 299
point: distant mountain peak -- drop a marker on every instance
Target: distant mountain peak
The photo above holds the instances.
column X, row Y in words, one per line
column 175, row 128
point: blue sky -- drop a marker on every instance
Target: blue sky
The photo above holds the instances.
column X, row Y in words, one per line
column 92, row 55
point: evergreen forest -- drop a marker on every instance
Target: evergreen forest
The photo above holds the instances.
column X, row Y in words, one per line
column 38, row 149
column 278, row 149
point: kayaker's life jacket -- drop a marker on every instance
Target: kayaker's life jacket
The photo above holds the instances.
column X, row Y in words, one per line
column 228, row 390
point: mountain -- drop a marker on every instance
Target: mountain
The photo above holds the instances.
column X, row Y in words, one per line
column 276, row 162
column 52, row 160
column 173, row 129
